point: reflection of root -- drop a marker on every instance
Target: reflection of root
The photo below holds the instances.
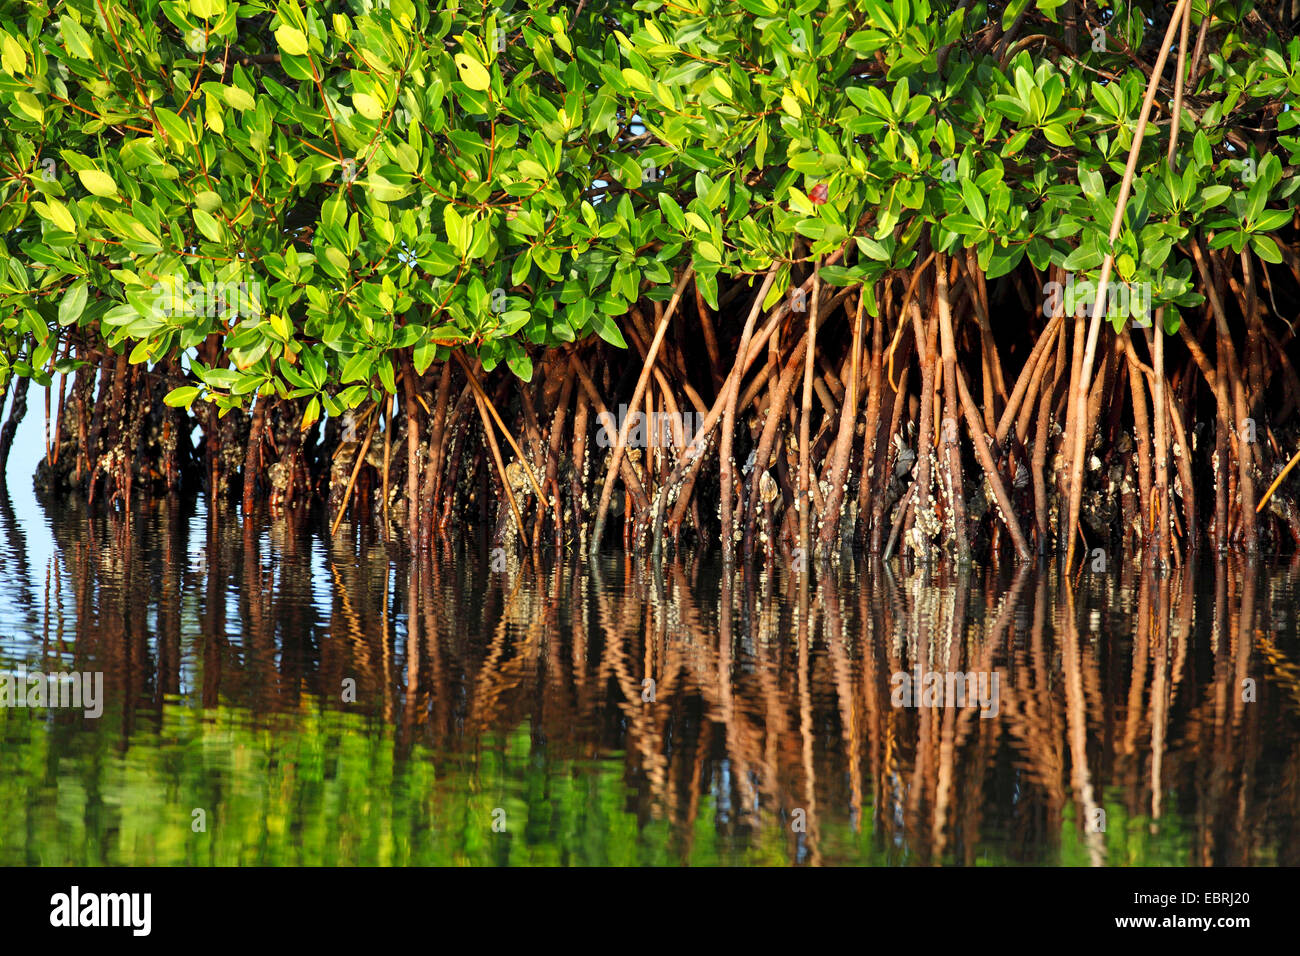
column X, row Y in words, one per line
column 1285, row 672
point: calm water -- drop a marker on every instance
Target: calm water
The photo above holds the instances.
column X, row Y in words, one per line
column 504, row 717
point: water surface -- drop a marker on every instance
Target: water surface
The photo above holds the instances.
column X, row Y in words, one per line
column 323, row 701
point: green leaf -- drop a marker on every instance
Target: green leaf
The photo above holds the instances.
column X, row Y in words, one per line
column 181, row 397
column 531, row 169
column 791, row 105
column 1091, row 182
column 177, row 130
column 359, row 367
column 1201, row 149
column 636, row 79
column 974, row 200
column 383, row 190
column 1012, row 11
column 1214, row 195
column 75, row 38
column 423, row 355
column 455, row 227
column 472, row 73
column 367, row 106
column 334, row 213
column 519, row 362
column 291, row 40
column 30, row 105
column 97, row 182
column 12, row 56
column 1055, row 133
column 60, row 215
column 337, row 259
column 73, row 302
column 1273, row 219
column 672, row 212
column 607, row 330
column 310, row 414
column 1266, row 248
column 207, row 225
column 626, row 170
column 237, row 98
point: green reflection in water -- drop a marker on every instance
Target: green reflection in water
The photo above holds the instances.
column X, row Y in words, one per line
column 329, row 788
